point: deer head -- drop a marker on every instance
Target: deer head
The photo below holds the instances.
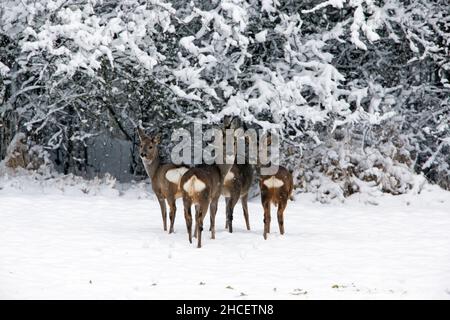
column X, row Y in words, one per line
column 148, row 148
column 234, row 124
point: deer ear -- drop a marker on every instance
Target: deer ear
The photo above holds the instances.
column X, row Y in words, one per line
column 141, row 133
column 239, row 132
column 236, row 123
column 157, row 138
column 267, row 138
column 226, row 122
column 232, row 122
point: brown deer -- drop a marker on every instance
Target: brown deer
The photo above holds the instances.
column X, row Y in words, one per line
column 202, row 186
column 238, row 181
column 236, row 185
column 165, row 178
column 277, row 189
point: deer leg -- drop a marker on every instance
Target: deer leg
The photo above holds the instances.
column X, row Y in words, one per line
column 281, row 206
column 211, row 218
column 201, row 217
column 162, row 204
column 244, row 201
column 226, row 212
column 188, row 217
column 230, row 208
column 173, row 210
column 212, row 213
column 266, row 206
column 197, row 209
column 199, row 227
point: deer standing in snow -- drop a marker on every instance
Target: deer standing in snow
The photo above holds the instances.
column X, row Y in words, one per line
column 165, row 178
column 276, row 189
column 236, row 185
column 239, row 179
column 202, row 186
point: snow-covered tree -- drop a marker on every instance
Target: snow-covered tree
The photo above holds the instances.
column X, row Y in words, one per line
column 358, row 89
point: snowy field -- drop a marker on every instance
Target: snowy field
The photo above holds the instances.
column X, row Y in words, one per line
column 83, row 242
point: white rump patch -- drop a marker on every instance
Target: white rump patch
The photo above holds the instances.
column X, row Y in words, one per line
column 273, row 182
column 194, row 185
column 229, row 176
column 174, row 175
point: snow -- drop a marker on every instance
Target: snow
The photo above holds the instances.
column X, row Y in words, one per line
column 335, row 3
column 261, row 36
column 3, row 69
column 69, row 238
column 187, row 43
column 182, row 94
column 269, row 5
column 190, row 76
column 359, row 20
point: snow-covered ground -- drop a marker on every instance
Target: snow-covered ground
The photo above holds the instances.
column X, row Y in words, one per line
column 73, row 240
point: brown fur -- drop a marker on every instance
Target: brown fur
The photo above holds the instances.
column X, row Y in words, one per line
column 237, row 188
column 278, row 196
column 212, row 176
column 163, row 188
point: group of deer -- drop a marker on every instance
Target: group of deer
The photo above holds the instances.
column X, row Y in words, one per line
column 203, row 185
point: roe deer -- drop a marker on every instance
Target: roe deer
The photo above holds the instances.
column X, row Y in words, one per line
column 239, row 179
column 202, row 186
column 277, row 189
column 165, row 177
column 236, row 185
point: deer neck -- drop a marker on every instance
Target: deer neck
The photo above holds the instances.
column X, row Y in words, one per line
column 152, row 166
column 258, row 170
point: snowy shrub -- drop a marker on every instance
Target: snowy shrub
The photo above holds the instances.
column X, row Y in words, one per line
column 17, row 153
column 345, row 166
column 25, row 155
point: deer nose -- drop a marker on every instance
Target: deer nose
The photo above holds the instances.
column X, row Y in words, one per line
column 143, row 155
